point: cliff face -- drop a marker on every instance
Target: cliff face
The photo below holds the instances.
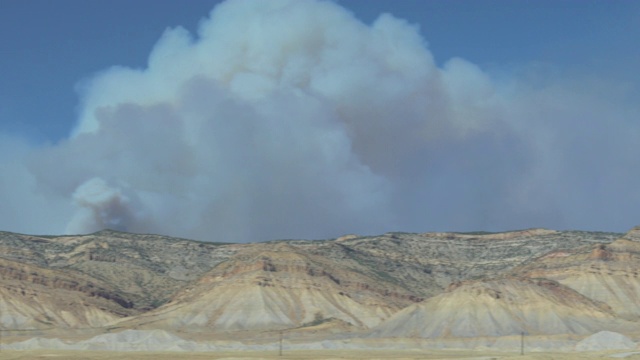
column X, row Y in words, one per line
column 352, row 283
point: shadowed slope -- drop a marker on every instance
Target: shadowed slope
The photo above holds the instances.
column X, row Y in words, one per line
column 32, row 297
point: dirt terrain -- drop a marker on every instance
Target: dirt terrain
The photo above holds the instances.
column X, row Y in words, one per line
column 109, row 290
column 320, row 355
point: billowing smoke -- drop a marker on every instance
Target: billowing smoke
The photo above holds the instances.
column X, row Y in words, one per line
column 101, row 207
column 292, row 119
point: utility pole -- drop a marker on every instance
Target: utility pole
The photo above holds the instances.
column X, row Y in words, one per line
column 1, row 327
column 522, row 343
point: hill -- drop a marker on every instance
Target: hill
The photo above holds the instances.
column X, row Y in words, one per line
column 430, row 285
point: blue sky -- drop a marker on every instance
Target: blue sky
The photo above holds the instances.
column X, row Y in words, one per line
column 538, row 112
column 49, row 46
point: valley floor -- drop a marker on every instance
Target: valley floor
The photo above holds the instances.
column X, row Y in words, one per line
column 312, row 354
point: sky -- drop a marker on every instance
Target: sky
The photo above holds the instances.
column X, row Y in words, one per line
column 250, row 120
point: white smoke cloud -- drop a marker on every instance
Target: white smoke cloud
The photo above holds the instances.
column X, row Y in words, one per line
column 292, row 119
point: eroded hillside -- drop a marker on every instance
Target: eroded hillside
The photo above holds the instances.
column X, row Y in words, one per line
column 117, row 280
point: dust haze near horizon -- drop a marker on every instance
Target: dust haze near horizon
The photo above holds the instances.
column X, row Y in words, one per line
column 294, row 119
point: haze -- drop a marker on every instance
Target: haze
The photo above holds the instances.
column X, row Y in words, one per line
column 313, row 119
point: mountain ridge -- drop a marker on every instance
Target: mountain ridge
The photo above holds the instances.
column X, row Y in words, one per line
column 350, row 284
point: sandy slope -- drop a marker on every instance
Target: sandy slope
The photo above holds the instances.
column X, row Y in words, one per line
column 275, row 288
column 319, row 290
column 609, row 273
column 500, row 307
column 32, row 297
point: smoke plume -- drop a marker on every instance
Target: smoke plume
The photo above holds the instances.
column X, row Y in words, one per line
column 293, row 119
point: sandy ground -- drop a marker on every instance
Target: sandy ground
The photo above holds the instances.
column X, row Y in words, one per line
column 312, row 354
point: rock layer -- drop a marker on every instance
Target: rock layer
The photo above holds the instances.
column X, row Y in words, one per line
column 609, row 273
column 501, row 307
column 277, row 287
column 111, row 280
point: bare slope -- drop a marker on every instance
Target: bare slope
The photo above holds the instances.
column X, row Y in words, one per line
column 498, row 308
column 32, row 297
column 427, row 263
column 90, row 280
column 354, row 282
column 609, row 273
column 276, row 286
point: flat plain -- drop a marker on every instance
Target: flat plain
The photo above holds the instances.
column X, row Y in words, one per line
column 312, row 354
